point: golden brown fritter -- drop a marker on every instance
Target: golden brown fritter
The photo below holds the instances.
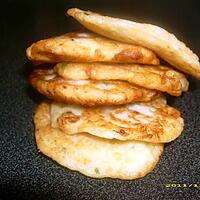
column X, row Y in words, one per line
column 89, row 93
column 88, row 47
column 163, row 43
column 159, row 77
column 93, row 156
column 153, row 122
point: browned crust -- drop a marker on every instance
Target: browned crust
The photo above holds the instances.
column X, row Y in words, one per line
column 164, row 126
column 61, row 90
column 93, row 48
column 159, row 77
column 53, row 143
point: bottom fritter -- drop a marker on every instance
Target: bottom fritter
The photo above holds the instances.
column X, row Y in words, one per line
column 94, row 156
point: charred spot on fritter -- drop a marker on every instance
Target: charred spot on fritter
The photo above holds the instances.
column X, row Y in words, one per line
column 122, row 132
column 68, row 117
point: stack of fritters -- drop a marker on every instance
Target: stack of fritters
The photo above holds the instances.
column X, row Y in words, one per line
column 109, row 117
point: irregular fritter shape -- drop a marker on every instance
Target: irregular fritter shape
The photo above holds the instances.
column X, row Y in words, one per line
column 165, row 44
column 153, row 122
column 88, row 47
column 93, row 156
column 87, row 92
column 153, row 77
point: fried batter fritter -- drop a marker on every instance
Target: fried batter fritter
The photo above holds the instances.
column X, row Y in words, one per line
column 166, row 45
column 86, row 92
column 153, row 77
column 88, row 47
column 94, row 156
column 153, row 122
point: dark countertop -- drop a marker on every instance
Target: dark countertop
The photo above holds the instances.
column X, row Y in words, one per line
column 27, row 174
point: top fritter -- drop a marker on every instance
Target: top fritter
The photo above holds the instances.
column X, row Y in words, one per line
column 166, row 45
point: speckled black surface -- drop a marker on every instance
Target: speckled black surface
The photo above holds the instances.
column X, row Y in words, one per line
column 27, row 174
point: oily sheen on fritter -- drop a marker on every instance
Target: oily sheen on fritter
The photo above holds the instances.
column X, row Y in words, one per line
column 163, row 43
column 153, row 121
column 94, row 156
column 87, row 92
column 88, row 47
column 158, row 77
